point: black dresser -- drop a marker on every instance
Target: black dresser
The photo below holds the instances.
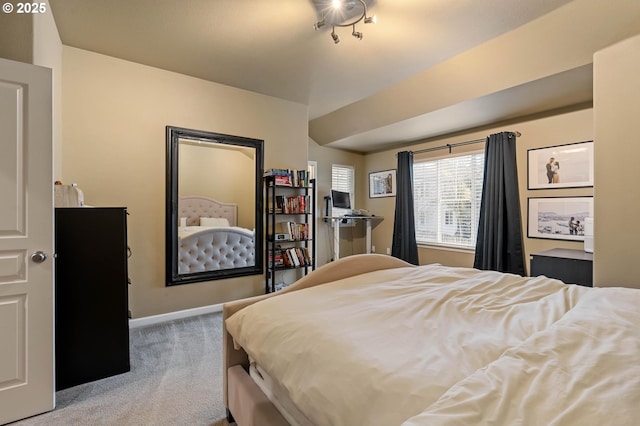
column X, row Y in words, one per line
column 569, row 266
column 91, row 298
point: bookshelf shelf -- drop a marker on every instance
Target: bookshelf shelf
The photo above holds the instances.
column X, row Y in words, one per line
column 288, row 268
column 289, row 226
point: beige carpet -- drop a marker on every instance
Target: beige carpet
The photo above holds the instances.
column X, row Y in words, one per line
column 175, row 379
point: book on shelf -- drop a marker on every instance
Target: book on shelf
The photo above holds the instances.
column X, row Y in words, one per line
column 301, row 257
column 279, row 204
column 296, row 231
column 301, row 178
column 276, row 258
column 283, row 181
column 295, row 256
column 289, row 177
column 295, row 261
column 298, row 204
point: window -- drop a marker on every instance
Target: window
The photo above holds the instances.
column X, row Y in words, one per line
column 447, row 195
column 342, row 179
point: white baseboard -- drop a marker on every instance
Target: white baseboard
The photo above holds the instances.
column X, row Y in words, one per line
column 170, row 316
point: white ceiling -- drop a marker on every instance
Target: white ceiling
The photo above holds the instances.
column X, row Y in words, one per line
column 270, row 47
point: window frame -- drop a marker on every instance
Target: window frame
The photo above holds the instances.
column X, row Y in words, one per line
column 448, row 245
column 351, row 190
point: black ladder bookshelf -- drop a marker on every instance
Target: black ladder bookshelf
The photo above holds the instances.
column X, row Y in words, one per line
column 290, row 213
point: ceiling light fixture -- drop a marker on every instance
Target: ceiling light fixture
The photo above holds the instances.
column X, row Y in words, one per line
column 339, row 6
column 335, row 37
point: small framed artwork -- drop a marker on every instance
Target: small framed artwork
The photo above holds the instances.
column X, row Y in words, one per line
column 560, row 166
column 382, row 184
column 559, row 218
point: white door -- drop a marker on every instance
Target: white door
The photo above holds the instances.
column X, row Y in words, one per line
column 26, row 228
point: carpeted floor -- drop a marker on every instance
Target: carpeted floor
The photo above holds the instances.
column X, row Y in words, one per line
column 175, row 379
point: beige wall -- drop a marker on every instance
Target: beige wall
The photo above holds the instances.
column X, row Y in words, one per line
column 617, row 171
column 34, row 39
column 47, row 52
column 213, row 173
column 560, row 129
column 351, row 238
column 115, row 113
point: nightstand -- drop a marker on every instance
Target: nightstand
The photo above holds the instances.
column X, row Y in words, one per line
column 569, row 266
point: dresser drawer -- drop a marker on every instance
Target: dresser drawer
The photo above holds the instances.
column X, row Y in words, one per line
column 569, row 266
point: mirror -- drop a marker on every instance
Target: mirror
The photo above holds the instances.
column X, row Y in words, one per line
column 214, row 206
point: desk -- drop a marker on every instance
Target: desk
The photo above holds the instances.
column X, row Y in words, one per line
column 335, row 220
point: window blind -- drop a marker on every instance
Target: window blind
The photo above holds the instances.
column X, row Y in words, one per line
column 342, row 179
column 447, row 197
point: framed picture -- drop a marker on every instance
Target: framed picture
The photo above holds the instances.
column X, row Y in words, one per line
column 559, row 218
column 382, row 184
column 560, row 166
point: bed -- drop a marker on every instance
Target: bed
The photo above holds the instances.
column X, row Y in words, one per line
column 208, row 238
column 371, row 340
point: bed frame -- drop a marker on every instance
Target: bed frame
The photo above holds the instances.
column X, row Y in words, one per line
column 195, row 207
column 213, row 248
column 243, row 399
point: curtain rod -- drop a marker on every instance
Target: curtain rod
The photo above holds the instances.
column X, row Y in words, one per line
column 453, row 145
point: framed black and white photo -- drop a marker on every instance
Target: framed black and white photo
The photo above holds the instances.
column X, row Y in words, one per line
column 560, row 166
column 382, row 184
column 559, row 218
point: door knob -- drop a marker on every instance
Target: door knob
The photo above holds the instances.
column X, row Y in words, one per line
column 39, row 257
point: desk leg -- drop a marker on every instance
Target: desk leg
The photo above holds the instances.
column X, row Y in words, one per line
column 368, row 222
column 336, row 239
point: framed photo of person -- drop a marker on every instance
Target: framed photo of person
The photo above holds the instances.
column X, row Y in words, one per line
column 560, row 166
column 558, row 218
column 382, row 184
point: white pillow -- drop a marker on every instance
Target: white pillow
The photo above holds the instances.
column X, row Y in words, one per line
column 214, row 221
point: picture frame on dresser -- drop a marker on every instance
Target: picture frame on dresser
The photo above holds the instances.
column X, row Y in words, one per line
column 560, row 166
column 558, row 218
column 382, row 184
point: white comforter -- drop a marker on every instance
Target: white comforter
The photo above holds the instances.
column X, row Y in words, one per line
column 382, row 347
column 583, row 370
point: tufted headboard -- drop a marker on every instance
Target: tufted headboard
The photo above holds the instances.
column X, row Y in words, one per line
column 195, row 207
column 212, row 249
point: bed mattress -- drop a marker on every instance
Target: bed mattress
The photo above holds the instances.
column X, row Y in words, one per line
column 381, row 347
column 278, row 396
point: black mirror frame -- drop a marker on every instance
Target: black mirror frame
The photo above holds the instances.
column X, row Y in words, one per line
column 174, row 134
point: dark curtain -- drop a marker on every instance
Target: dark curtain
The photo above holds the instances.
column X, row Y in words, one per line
column 404, row 231
column 499, row 243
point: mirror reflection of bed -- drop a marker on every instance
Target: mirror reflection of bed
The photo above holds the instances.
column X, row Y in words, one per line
column 209, row 238
column 214, row 206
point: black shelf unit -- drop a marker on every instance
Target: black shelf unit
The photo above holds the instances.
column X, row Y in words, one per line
column 275, row 246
